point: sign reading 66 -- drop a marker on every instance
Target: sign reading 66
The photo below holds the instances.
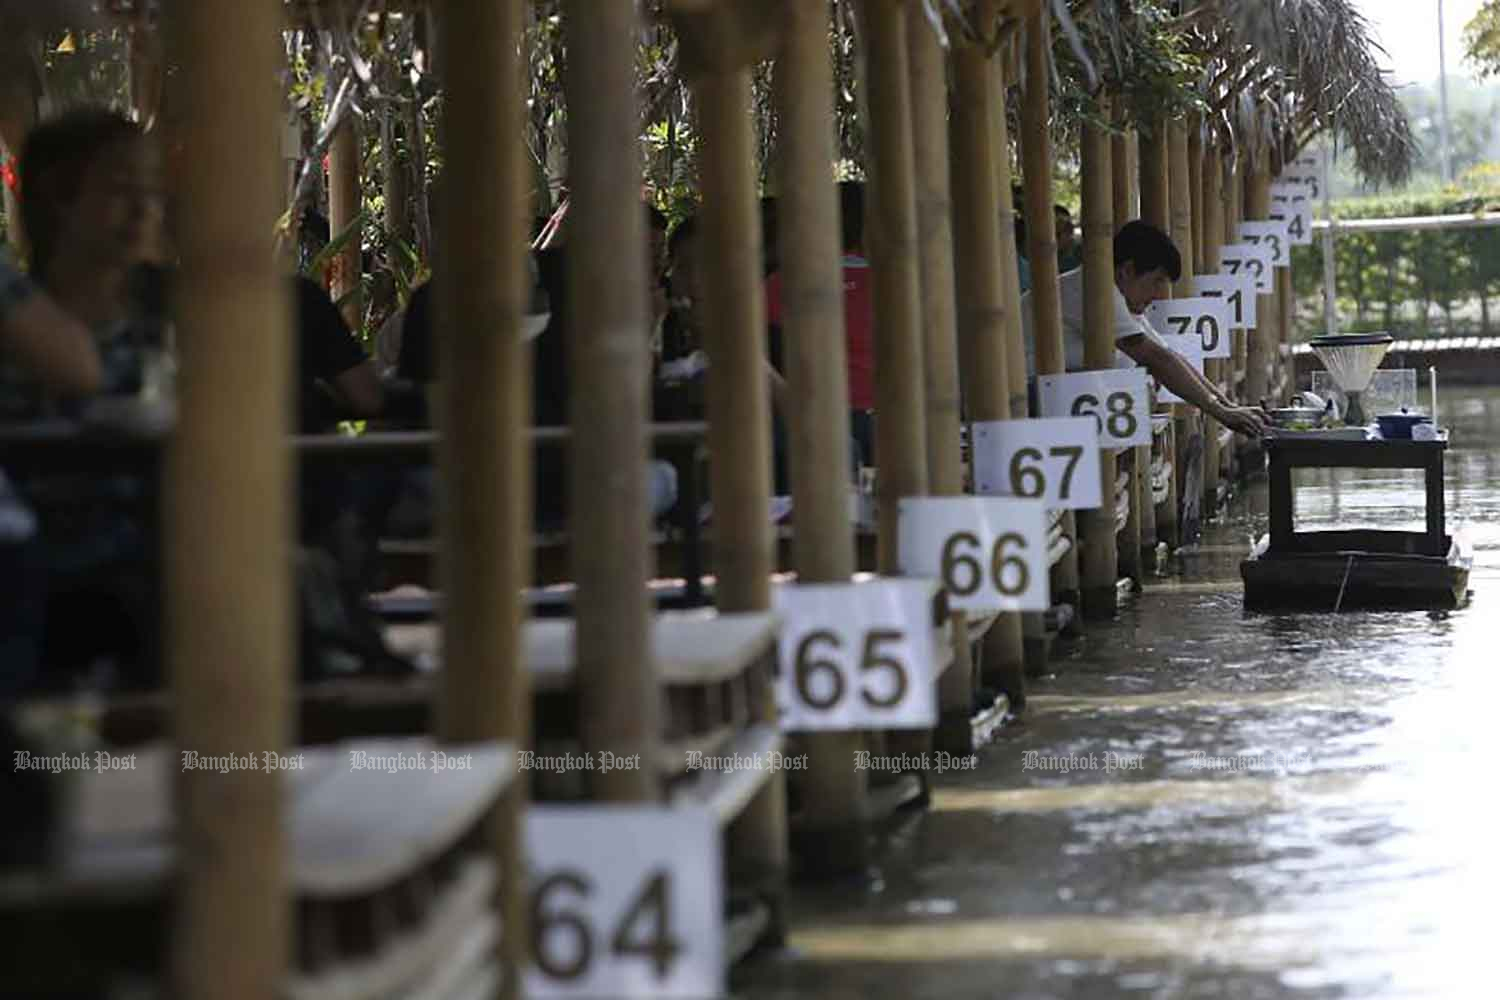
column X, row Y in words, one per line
column 1119, row 400
column 989, row 552
column 857, row 655
column 1053, row 459
column 1207, row 317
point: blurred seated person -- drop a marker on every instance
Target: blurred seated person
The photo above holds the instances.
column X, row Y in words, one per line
column 46, row 348
column 336, row 380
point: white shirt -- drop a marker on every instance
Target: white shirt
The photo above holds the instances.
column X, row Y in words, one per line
column 1125, row 324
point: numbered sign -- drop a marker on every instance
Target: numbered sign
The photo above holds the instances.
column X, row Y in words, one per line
column 1055, row 459
column 625, row 901
column 1311, row 183
column 1252, row 259
column 857, row 655
column 1238, row 292
column 1273, row 236
column 1207, row 317
column 989, row 552
column 1191, row 349
column 1290, row 204
column 1309, row 162
column 1119, row 400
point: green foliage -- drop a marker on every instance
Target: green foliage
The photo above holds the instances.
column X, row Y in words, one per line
column 1409, row 283
column 1482, row 39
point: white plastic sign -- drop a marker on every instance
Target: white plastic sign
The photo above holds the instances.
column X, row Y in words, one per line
column 1119, row 400
column 1236, row 291
column 989, row 552
column 1237, row 259
column 857, row 655
column 1290, row 204
column 1272, row 235
column 1207, row 317
column 1191, row 349
column 625, row 901
column 1310, row 183
column 1309, row 162
column 1053, row 459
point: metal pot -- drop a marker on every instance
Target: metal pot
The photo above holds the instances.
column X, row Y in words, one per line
column 1296, row 418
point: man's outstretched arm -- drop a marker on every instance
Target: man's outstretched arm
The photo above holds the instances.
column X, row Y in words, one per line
column 1168, row 368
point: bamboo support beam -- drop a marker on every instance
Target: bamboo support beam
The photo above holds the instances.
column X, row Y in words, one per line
column 1194, row 261
column 1211, row 225
column 1142, row 517
column 484, row 407
column 1100, row 558
column 900, row 437
column 929, row 104
column 1187, row 468
column 737, row 395
column 1287, row 302
column 1041, row 238
column 1155, row 202
column 1263, row 338
column 343, row 209
column 227, row 554
column 989, row 319
column 611, row 554
column 817, row 374
column 1121, row 177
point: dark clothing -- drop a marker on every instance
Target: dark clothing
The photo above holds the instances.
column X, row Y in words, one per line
column 325, row 350
column 550, row 377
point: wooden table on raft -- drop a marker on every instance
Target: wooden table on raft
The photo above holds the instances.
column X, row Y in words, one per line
column 1360, row 567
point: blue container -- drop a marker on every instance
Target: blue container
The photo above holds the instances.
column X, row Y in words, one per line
column 1397, row 426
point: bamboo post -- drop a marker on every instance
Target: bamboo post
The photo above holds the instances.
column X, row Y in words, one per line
column 1041, row 238
column 1189, row 426
column 1286, row 301
column 1003, row 653
column 1211, row 225
column 1100, row 562
column 817, row 373
column 900, row 438
column 227, row 554
column 611, row 554
column 484, row 458
column 1236, row 184
column 1193, row 262
column 343, row 209
column 1139, row 536
column 988, row 293
column 929, row 102
column 1155, row 205
column 397, row 212
column 1258, row 206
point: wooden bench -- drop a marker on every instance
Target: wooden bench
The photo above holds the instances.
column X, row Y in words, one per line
column 389, row 869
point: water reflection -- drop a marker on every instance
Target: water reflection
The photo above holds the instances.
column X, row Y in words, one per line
column 1308, row 811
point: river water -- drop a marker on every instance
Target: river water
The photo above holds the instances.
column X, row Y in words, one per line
column 1200, row 802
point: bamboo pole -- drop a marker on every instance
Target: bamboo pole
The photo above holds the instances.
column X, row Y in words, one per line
column 737, row 397
column 817, row 373
column 900, row 437
column 397, row 198
column 1155, row 202
column 1003, row 655
column 1156, row 209
column 611, row 554
column 1211, row 224
column 1128, row 548
column 1100, row 561
column 484, row 407
column 1041, row 237
column 1236, row 185
column 929, row 102
column 343, row 209
column 987, row 293
column 227, row 555
column 1188, row 467
column 1258, row 206
column 1193, row 262
column 1286, row 300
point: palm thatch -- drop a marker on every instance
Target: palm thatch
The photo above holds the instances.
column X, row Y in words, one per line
column 1308, row 66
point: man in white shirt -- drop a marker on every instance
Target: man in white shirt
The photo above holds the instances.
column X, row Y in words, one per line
column 1146, row 264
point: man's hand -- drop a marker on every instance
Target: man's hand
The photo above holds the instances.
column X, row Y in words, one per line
column 1247, row 420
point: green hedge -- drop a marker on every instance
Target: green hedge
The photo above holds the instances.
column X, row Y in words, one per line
column 1412, row 284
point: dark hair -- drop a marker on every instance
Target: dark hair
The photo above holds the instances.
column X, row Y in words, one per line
column 1148, row 248
column 1061, row 210
column 852, row 213
column 685, row 230
column 655, row 219
column 54, row 159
